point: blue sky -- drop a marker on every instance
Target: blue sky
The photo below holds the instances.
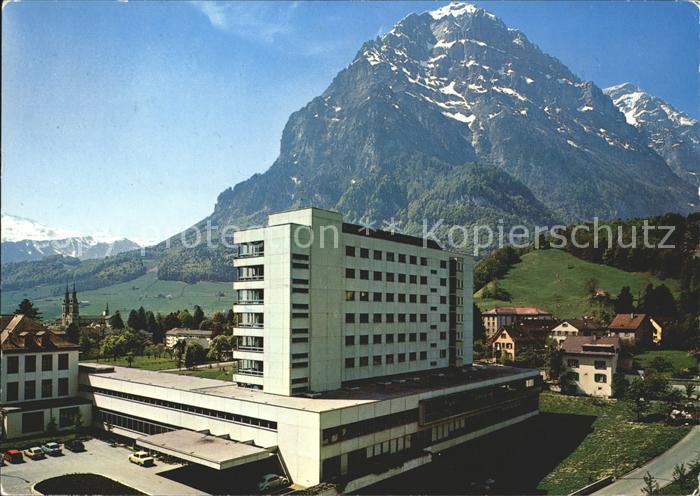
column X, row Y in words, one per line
column 130, row 118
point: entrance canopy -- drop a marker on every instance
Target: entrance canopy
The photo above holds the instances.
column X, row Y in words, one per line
column 203, row 449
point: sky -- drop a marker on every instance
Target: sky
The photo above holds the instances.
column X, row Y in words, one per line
column 129, row 118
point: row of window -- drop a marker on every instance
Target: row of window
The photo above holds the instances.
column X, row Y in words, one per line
column 573, row 363
column 231, row 417
column 599, row 378
column 389, row 338
column 30, row 363
column 378, row 275
column 378, row 318
column 389, row 256
column 389, row 359
column 389, row 297
column 30, row 389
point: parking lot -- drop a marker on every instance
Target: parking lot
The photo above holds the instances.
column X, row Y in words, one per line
column 99, row 458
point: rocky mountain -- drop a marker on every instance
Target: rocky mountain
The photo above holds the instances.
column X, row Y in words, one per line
column 671, row 133
column 25, row 240
column 444, row 89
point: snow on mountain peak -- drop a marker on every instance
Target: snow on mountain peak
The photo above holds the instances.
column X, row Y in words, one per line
column 14, row 228
column 456, row 9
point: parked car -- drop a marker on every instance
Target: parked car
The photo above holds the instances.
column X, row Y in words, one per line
column 75, row 445
column 52, row 448
column 13, row 456
column 271, row 482
column 34, row 453
column 141, row 458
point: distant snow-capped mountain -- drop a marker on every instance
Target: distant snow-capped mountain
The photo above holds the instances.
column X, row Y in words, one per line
column 27, row 240
column 670, row 133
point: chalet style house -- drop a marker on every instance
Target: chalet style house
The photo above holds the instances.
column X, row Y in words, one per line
column 591, row 362
column 498, row 317
column 633, row 329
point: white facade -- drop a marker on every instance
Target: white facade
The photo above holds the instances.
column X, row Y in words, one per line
column 321, row 302
column 591, row 374
column 202, row 337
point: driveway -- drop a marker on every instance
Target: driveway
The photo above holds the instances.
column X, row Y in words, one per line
column 661, row 468
column 100, row 458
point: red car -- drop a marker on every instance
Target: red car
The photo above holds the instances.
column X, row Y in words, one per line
column 13, row 456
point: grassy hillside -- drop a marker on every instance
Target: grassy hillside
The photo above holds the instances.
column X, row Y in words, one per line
column 146, row 291
column 554, row 280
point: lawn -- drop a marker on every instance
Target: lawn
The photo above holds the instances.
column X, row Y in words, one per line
column 147, row 291
column 615, row 445
column 213, row 373
column 679, row 359
column 685, row 486
column 142, row 362
column 88, row 484
column 554, row 280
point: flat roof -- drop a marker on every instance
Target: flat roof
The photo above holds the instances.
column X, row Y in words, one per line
column 352, row 394
column 203, row 448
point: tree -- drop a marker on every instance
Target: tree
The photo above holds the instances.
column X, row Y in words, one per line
column 566, row 382
column 591, row 286
column 133, row 320
column 219, row 348
column 143, row 322
column 115, row 321
column 619, row 385
column 636, row 392
column 169, row 321
column 27, row 308
column 51, row 427
column 478, row 323
column 130, row 358
column 624, row 303
column 553, row 359
column 78, row 421
column 197, row 316
column 185, row 319
column 651, row 487
column 73, row 333
column 179, row 349
column 689, row 390
column 153, row 327
column 660, row 364
column 84, row 342
column 194, row 354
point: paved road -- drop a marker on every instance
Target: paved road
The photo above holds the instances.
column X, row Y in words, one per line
column 661, row 467
column 100, row 458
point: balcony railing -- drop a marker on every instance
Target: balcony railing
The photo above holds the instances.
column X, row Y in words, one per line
column 253, row 325
column 250, row 254
column 257, row 373
column 254, row 349
column 250, row 302
column 251, row 278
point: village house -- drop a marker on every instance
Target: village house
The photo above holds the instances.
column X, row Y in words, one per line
column 591, row 362
column 498, row 317
column 633, row 329
column 203, row 336
column 577, row 327
column 516, row 338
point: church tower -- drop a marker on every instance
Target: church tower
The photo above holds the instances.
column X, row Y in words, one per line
column 70, row 309
column 65, row 309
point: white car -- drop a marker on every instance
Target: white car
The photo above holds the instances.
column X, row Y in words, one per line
column 270, row 482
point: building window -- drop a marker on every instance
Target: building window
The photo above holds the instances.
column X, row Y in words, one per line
column 423, row 261
column 389, row 338
column 46, row 388
column 443, row 264
column 46, row 362
column 390, row 297
column 602, row 378
column 574, row 376
column 364, row 253
column 412, row 356
column 572, row 363
column 350, row 273
column 443, row 281
column 413, row 260
column 29, row 390
column 364, row 339
column 412, row 337
column 349, row 251
column 412, row 279
column 402, row 258
column 349, row 363
column 443, row 300
column 349, row 340
column 66, row 416
column 377, row 254
column 402, row 277
column 443, row 336
column 377, row 360
column 402, row 338
column 377, row 339
column 63, row 386
column 443, row 353
column 412, row 317
column 389, row 277
column 377, row 318
column 30, row 363
column 423, row 336
column 389, row 318
column 424, row 280
column 12, row 364
column 389, row 359
column 424, row 317
column 601, row 365
column 424, row 299
column 412, row 298
column 364, row 296
column 402, row 298
column 364, row 361
column 364, row 318
column 390, row 256
column 402, row 357
column 423, row 355
column 349, row 318
column 349, row 296
column 364, row 274
column 402, row 317
column 377, row 275
column 32, row 422
column 12, row 391
column 443, row 317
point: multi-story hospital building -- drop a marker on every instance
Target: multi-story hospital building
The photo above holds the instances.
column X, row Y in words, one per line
column 354, row 353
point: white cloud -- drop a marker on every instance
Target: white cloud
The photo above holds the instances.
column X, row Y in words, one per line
column 256, row 21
